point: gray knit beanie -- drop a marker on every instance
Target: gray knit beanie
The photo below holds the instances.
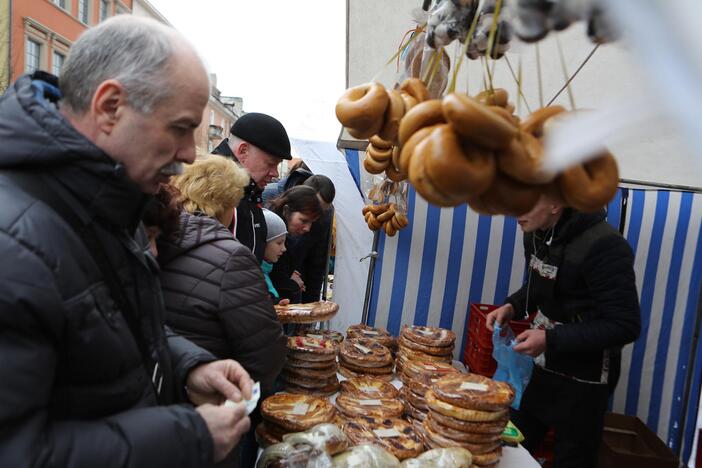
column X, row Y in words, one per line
column 275, row 225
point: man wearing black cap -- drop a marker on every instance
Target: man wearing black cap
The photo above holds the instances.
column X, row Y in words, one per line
column 258, row 142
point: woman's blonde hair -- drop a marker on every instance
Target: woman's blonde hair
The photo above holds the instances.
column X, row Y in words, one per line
column 212, row 185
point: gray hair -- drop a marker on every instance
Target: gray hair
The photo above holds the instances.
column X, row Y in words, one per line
column 133, row 51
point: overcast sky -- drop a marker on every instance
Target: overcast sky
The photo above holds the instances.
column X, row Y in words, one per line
column 284, row 58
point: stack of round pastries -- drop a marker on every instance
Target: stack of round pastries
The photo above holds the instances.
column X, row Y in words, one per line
column 310, row 367
column 368, row 396
column 417, row 343
column 285, row 413
column 417, row 378
column 323, row 334
column 380, row 335
column 468, row 411
column 361, row 356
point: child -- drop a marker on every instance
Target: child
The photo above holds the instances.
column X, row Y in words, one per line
column 275, row 247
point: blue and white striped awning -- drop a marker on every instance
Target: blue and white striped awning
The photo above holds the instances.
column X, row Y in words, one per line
column 448, row 258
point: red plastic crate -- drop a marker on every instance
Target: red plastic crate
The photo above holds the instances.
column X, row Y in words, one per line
column 478, row 318
column 478, row 357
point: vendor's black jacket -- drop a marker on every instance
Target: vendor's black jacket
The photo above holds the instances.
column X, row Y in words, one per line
column 75, row 388
column 248, row 225
column 216, row 297
column 592, row 292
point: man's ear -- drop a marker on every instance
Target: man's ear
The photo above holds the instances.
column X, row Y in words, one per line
column 242, row 151
column 108, row 102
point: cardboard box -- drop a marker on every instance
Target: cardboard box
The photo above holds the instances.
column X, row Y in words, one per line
column 627, row 441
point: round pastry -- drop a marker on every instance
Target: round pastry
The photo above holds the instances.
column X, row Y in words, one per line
column 387, row 369
column 534, row 123
column 462, row 413
column 381, row 156
column 493, row 97
column 435, row 350
column 306, row 313
column 327, row 390
column 327, row 437
column 311, row 359
column 430, row 337
column 353, row 407
column 415, row 400
column 420, row 356
column 473, row 391
column 393, row 434
column 306, row 382
column 407, row 151
column 455, row 457
column 368, row 387
column 415, row 369
column 415, row 88
column 522, row 160
column 303, row 344
column 363, row 352
column 422, row 384
column 421, row 181
column 365, row 455
column 372, row 166
column 455, row 165
column 460, row 436
column 590, row 186
column 379, row 143
column 283, row 453
column 424, row 114
column 414, row 412
column 392, row 117
column 295, row 412
column 264, row 437
column 275, row 431
column 310, row 373
column 488, row 458
column 324, row 335
column 348, row 373
column 372, row 333
column 474, row 448
column 506, row 196
column 476, row 122
column 409, row 101
column 394, row 174
column 490, row 428
column 361, row 109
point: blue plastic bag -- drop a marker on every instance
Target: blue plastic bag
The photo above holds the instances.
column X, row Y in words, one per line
column 512, row 367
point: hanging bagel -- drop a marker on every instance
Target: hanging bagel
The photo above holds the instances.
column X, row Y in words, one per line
column 393, row 113
column 506, row 196
column 415, row 88
column 408, row 148
column 422, row 115
column 393, row 174
column 421, row 181
column 379, row 155
column 455, row 166
column 495, row 97
column 534, row 123
column 372, row 166
column 477, row 122
column 590, row 186
column 361, row 109
column 522, row 160
column 379, row 143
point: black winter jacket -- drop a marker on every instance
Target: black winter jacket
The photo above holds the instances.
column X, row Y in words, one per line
column 216, row 297
column 75, row 390
column 582, row 277
column 248, row 225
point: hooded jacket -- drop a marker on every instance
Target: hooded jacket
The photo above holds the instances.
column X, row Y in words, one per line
column 216, row 297
column 580, row 274
column 248, row 225
column 75, row 389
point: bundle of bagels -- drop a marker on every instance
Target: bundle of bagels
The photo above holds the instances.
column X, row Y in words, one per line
column 386, row 217
column 462, row 149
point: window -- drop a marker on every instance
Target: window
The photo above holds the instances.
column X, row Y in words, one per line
column 32, row 55
column 103, row 9
column 57, row 63
column 61, row 3
column 84, row 11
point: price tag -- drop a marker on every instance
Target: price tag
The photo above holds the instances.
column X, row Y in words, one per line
column 300, row 409
column 319, row 337
column 370, row 402
column 362, row 348
column 423, row 331
column 370, row 332
column 369, row 389
column 474, row 386
column 312, row 343
column 384, row 433
column 430, row 367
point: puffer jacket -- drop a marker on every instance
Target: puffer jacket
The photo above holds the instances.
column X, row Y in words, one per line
column 581, row 276
column 75, row 388
column 216, row 297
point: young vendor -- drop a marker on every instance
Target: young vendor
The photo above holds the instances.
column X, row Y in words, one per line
column 581, row 281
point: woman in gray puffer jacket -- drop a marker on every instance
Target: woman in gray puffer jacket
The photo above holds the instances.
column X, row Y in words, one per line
column 214, row 289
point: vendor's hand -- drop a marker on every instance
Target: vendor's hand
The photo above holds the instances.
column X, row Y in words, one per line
column 531, row 342
column 284, row 302
column 226, row 426
column 501, row 315
column 296, row 277
column 217, row 381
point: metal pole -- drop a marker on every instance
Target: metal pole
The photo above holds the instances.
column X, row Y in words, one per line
column 373, row 255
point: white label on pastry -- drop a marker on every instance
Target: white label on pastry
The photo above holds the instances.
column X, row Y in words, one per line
column 423, row 331
column 370, row 402
column 365, row 389
column 370, row 332
column 300, row 409
column 319, row 337
column 386, row 433
column 473, row 386
column 312, row 344
column 362, row 348
column 430, row 367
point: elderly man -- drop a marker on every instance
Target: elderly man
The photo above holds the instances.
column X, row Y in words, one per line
column 258, row 142
column 90, row 376
column 581, row 281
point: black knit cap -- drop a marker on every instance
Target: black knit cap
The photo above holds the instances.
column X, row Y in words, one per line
column 265, row 132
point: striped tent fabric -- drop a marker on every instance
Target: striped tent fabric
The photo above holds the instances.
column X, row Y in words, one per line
column 447, row 258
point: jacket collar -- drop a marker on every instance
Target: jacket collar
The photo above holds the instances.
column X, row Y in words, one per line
column 252, row 192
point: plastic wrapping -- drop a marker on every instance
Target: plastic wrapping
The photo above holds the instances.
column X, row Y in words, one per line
column 327, row 437
column 454, row 457
column 512, row 367
column 366, row 456
column 287, row 455
column 386, row 206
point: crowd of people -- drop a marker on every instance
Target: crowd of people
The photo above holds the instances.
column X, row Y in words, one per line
column 140, row 277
